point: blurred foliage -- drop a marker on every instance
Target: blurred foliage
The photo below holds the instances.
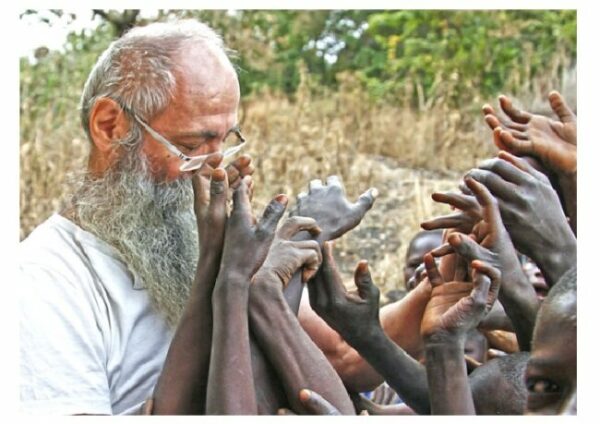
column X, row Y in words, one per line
column 381, row 98
column 422, row 55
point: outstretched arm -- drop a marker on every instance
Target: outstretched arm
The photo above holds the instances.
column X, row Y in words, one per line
column 491, row 243
column 230, row 382
column 553, row 142
column 181, row 388
column 356, row 318
column 335, row 215
column 455, row 308
column 297, row 361
column 400, row 321
column 531, row 211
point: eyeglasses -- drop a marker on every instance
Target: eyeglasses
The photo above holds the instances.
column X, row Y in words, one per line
column 234, row 141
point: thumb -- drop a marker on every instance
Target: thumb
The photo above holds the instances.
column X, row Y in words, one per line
column 362, row 279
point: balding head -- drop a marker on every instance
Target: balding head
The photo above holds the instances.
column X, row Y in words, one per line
column 139, row 70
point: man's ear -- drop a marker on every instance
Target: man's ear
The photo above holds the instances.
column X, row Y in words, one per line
column 108, row 123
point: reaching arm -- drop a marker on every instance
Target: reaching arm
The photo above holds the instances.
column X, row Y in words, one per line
column 455, row 308
column 553, row 142
column 297, row 361
column 181, row 388
column 356, row 318
column 400, row 322
column 230, row 382
column 531, row 211
column 493, row 245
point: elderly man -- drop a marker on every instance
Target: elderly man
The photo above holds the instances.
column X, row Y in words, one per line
column 115, row 305
column 95, row 275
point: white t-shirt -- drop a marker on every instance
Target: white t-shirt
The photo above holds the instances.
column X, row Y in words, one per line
column 90, row 341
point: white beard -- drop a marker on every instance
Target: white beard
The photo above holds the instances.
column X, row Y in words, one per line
column 152, row 226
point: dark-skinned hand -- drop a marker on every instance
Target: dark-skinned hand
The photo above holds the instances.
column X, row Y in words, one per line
column 489, row 242
column 247, row 241
column 352, row 315
column 286, row 256
column 468, row 215
column 552, row 141
column 456, row 307
column 238, row 169
column 530, row 210
column 328, row 205
column 210, row 187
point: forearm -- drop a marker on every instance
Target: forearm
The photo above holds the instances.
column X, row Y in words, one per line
column 555, row 260
column 449, row 390
column 521, row 306
column 181, row 387
column 298, row 362
column 403, row 373
column 230, row 379
column 293, row 291
column 401, row 321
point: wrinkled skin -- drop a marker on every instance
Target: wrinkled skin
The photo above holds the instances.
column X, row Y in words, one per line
column 286, row 256
column 531, row 212
column 352, row 315
column 458, row 306
column 335, row 215
column 455, row 308
column 491, row 243
column 245, row 247
column 355, row 316
column 553, row 142
column 298, row 362
column 327, row 204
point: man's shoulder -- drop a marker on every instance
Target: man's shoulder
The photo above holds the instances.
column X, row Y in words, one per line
column 58, row 249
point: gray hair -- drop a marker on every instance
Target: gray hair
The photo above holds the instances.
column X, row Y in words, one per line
column 137, row 70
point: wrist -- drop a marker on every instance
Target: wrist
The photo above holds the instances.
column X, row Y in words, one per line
column 445, row 348
column 230, row 283
column 441, row 339
column 556, row 261
column 373, row 335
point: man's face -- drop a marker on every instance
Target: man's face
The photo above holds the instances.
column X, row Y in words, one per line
column 551, row 375
column 200, row 115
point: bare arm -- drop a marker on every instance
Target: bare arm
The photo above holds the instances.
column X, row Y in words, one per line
column 181, row 388
column 455, row 308
column 297, row 361
column 553, row 142
column 400, row 322
column 230, row 381
column 356, row 318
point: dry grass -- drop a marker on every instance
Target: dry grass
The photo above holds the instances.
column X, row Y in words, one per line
column 406, row 154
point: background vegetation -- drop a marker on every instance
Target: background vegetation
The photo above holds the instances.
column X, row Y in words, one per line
column 389, row 99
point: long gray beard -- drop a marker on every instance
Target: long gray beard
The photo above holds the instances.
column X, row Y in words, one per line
column 152, row 226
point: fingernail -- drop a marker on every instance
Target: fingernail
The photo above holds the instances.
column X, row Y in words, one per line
column 363, row 266
column 218, row 174
column 282, row 198
column 374, row 192
column 304, row 394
